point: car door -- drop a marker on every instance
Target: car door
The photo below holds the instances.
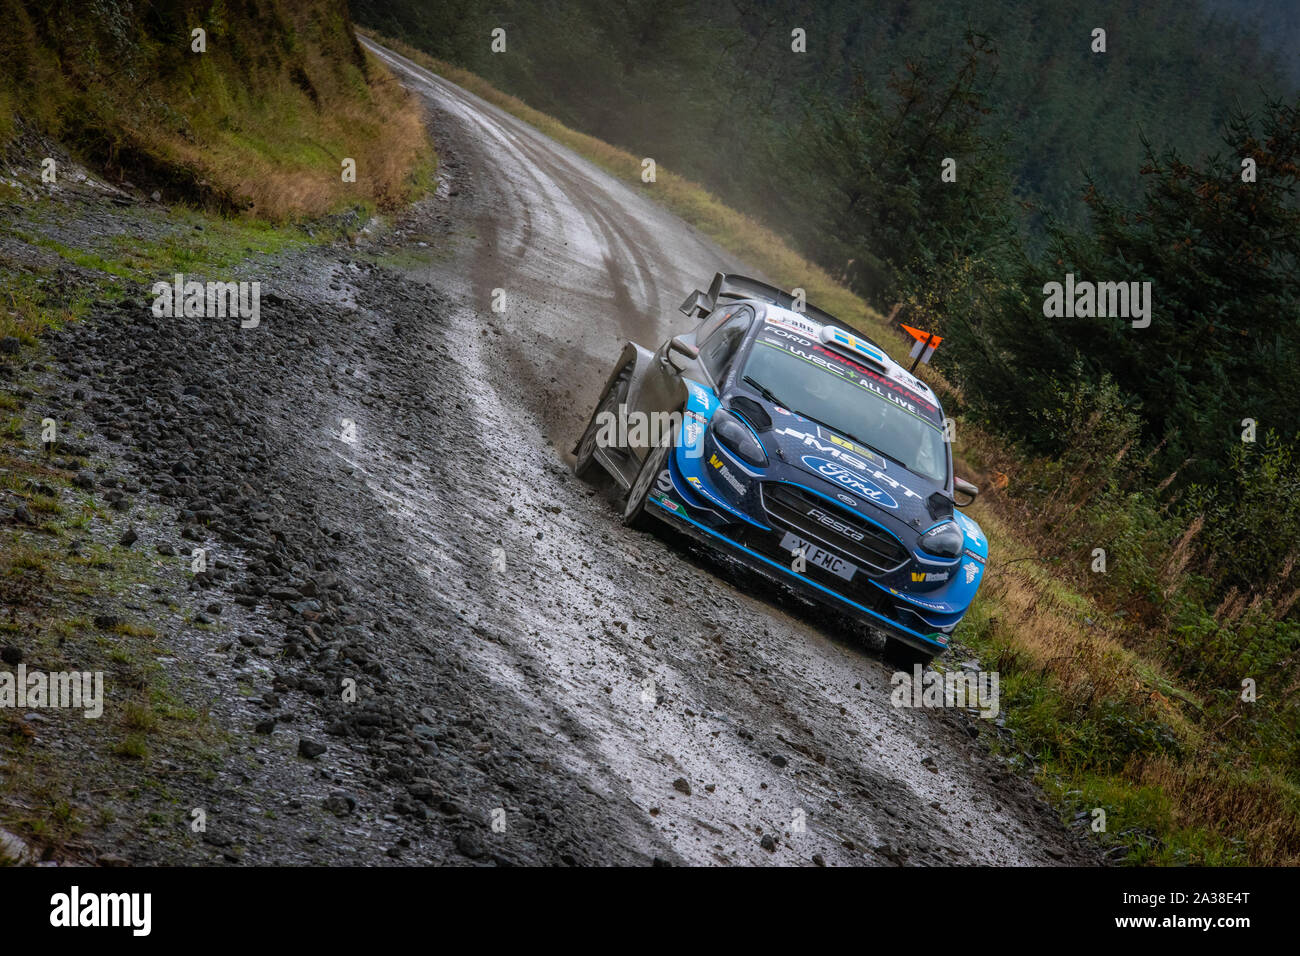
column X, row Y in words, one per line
column 661, row 390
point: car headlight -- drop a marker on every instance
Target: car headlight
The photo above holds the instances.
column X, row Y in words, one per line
column 944, row 540
column 734, row 435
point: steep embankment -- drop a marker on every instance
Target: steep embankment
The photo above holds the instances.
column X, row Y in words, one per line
column 251, row 106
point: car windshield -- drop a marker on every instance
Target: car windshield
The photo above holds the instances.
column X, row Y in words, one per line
column 804, row 378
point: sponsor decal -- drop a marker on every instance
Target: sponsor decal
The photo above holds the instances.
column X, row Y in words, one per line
column 893, row 485
column 834, row 524
column 866, row 453
column 942, row 608
column 665, row 501
column 970, row 528
column 838, row 449
column 699, row 486
column 911, row 381
column 698, row 392
column 847, row 499
column 736, row 485
column 694, row 429
column 793, row 322
column 971, row 569
column 919, row 577
column 884, row 385
column 973, row 554
column 852, row 461
column 845, row 478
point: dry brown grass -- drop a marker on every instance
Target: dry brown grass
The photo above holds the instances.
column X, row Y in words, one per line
column 1256, row 807
column 282, row 159
column 260, row 121
column 1044, row 624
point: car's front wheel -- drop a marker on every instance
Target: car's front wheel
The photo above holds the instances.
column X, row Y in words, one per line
column 634, row 513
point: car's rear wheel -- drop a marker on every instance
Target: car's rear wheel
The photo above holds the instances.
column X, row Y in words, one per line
column 585, row 452
column 634, row 511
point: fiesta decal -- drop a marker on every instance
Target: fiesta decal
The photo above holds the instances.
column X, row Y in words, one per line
column 846, row 479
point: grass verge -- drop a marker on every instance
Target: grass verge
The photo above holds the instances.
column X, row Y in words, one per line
column 263, row 119
column 75, row 598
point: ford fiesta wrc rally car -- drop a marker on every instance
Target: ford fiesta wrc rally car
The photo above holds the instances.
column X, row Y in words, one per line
column 800, row 448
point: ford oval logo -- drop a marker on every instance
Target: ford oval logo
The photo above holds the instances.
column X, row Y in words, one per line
column 848, row 480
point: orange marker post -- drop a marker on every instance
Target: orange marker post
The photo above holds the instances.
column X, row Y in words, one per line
column 926, row 343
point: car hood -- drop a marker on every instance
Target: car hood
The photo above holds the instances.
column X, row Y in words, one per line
column 863, row 479
column 803, row 450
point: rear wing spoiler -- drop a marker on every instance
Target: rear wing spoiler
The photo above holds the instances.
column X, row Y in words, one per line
column 699, row 304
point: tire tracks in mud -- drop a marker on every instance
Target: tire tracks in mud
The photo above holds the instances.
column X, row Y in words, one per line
column 762, row 730
column 624, row 699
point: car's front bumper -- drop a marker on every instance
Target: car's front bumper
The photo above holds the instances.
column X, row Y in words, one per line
column 758, row 549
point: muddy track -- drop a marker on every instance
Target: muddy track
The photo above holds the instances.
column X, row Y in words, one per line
column 602, row 696
column 768, row 705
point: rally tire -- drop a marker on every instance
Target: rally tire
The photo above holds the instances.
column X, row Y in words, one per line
column 586, row 464
column 638, row 496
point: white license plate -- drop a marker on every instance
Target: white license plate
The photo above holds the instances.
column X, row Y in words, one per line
column 819, row 556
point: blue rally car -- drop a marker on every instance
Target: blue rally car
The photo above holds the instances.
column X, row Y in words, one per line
column 796, row 445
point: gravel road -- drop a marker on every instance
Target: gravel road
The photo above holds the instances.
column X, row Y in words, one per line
column 381, row 468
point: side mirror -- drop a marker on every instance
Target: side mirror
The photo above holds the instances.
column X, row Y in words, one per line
column 697, row 303
column 681, row 353
column 964, row 487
